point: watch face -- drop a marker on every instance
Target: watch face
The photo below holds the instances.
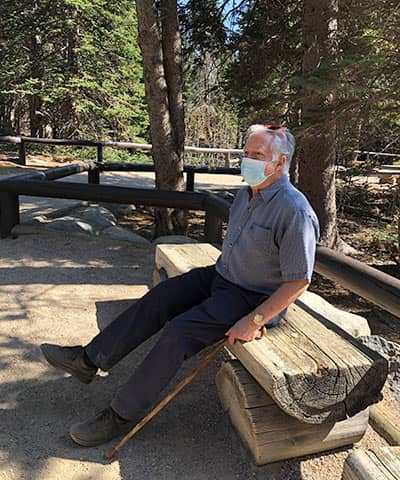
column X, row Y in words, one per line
column 258, row 319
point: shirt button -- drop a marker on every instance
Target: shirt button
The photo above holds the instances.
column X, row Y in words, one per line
column 230, row 245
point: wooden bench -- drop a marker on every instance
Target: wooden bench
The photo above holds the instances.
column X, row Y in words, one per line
column 374, row 464
column 301, row 382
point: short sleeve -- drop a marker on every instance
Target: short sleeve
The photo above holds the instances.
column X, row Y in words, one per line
column 297, row 247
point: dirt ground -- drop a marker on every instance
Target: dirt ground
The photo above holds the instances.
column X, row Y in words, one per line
column 63, row 290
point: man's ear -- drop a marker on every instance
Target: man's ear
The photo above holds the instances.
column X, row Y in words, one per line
column 282, row 160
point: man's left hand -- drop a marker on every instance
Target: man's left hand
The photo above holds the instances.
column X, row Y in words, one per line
column 244, row 329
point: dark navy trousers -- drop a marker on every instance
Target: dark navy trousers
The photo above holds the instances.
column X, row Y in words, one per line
column 194, row 310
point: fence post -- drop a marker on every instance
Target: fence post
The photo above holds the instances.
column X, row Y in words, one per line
column 212, row 228
column 22, row 153
column 9, row 207
column 100, row 152
column 190, row 180
column 94, row 176
column 228, row 159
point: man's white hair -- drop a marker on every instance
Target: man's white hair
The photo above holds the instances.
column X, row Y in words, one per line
column 282, row 143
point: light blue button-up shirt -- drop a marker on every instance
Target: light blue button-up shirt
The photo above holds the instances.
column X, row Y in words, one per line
column 271, row 238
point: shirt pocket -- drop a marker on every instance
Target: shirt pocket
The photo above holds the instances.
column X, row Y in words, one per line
column 263, row 240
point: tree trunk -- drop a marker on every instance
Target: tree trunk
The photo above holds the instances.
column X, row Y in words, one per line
column 35, row 119
column 7, row 112
column 36, row 71
column 160, row 44
column 318, row 142
column 69, row 123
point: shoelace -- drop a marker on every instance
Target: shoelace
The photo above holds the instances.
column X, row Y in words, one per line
column 107, row 414
column 104, row 414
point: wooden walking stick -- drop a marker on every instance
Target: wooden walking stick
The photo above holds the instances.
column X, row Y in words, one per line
column 205, row 361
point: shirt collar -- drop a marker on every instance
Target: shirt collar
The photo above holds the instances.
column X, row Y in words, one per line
column 268, row 192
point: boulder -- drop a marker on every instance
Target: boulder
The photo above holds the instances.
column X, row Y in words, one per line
column 99, row 217
column 119, row 233
column 71, row 225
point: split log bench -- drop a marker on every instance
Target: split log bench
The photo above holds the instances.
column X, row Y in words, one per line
column 304, row 388
column 374, row 464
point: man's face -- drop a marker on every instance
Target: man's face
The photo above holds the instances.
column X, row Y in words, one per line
column 258, row 147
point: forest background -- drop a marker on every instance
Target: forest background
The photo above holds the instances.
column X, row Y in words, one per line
column 326, row 69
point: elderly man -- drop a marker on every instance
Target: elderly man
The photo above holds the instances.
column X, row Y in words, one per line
column 266, row 263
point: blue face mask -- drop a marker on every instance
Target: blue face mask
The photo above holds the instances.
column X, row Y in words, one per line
column 252, row 171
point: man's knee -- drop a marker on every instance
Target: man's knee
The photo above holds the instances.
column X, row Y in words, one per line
column 180, row 336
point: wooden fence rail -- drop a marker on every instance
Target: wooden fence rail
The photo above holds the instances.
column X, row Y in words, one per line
column 100, row 144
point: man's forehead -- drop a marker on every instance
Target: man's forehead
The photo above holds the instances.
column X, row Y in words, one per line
column 258, row 140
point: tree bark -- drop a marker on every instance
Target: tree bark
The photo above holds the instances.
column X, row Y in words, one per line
column 8, row 110
column 318, row 142
column 36, row 71
column 160, row 44
column 69, row 121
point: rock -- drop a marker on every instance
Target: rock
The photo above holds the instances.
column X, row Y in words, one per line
column 40, row 219
column 119, row 233
column 121, row 209
column 61, row 212
column 174, row 239
column 27, row 228
column 35, row 225
column 391, row 351
column 99, row 217
column 72, row 225
column 350, row 322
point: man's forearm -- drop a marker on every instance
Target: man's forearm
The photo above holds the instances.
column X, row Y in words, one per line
column 282, row 298
column 246, row 330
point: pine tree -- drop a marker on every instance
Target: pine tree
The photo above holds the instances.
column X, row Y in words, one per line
column 71, row 68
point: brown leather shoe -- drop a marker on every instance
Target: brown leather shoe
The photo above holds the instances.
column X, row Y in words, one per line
column 69, row 359
column 101, row 428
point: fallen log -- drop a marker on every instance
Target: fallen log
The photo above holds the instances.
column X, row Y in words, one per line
column 268, row 432
column 374, row 464
column 385, row 423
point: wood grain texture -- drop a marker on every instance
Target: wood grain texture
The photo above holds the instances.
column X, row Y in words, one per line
column 178, row 259
column 313, row 372
column 268, row 432
column 375, row 464
column 383, row 422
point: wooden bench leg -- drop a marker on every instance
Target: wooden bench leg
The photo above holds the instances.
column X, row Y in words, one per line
column 268, row 432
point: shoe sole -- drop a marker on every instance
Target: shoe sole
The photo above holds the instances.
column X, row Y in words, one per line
column 63, row 367
column 85, row 443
